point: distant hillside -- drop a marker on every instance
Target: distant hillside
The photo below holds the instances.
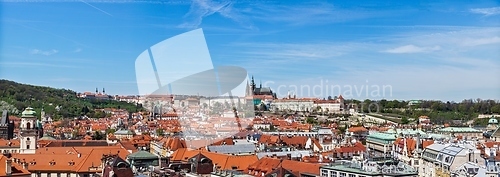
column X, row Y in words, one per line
column 15, row 97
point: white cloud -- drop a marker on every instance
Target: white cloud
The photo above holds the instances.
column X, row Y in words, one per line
column 412, row 49
column 481, row 41
column 303, row 13
column 293, row 52
column 300, row 14
column 204, row 8
column 42, row 52
column 486, row 11
column 455, row 63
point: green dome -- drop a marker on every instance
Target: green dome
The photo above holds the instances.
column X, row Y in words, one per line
column 28, row 112
column 493, row 121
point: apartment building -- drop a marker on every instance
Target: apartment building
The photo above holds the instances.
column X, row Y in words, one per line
column 440, row 159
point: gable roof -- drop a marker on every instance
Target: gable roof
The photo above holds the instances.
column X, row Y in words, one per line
column 16, row 170
column 268, row 165
column 69, row 159
column 223, row 161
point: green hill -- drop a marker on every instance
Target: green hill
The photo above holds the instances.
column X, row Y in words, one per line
column 15, row 97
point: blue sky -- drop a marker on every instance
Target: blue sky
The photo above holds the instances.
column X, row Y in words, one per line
column 445, row 50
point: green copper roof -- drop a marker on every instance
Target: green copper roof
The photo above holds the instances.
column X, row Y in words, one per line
column 493, row 121
column 28, row 112
column 411, row 132
column 142, row 155
column 459, row 130
column 47, row 137
column 382, row 136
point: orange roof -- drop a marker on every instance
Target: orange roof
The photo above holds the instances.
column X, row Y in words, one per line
column 71, row 159
column 9, row 143
column 426, row 143
column 411, row 144
column 225, row 161
column 17, row 169
column 266, row 165
column 357, row 147
column 357, row 129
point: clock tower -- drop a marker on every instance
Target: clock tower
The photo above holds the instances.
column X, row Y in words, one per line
column 28, row 131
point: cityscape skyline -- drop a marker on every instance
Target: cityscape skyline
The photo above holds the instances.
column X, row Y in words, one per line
column 430, row 50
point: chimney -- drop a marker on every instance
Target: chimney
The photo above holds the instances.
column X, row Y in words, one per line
column 25, row 165
column 8, row 167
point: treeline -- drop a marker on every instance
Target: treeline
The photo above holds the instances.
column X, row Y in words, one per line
column 439, row 111
column 466, row 106
column 56, row 102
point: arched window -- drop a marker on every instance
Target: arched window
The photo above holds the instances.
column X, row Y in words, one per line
column 28, row 125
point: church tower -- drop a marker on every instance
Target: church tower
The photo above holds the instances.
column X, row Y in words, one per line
column 248, row 91
column 253, row 85
column 28, row 131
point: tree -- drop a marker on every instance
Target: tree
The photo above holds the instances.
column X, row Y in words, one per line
column 85, row 110
column 310, row 120
column 159, row 132
column 343, row 129
column 404, row 120
column 110, row 130
column 496, row 109
column 98, row 135
column 99, row 114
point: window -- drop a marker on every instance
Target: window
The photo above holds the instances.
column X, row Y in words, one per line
column 333, row 174
column 415, row 162
column 342, row 175
column 324, row 173
column 39, row 174
column 58, row 174
column 352, row 175
column 68, row 174
column 48, row 174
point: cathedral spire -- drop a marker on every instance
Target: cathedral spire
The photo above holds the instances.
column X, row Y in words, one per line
column 253, row 84
column 96, row 90
column 103, row 91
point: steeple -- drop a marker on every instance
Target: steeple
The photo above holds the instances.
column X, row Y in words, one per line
column 248, row 91
column 103, row 91
column 29, row 131
column 253, row 84
column 260, row 86
column 96, row 90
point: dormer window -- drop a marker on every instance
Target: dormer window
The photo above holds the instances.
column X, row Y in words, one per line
column 52, row 163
